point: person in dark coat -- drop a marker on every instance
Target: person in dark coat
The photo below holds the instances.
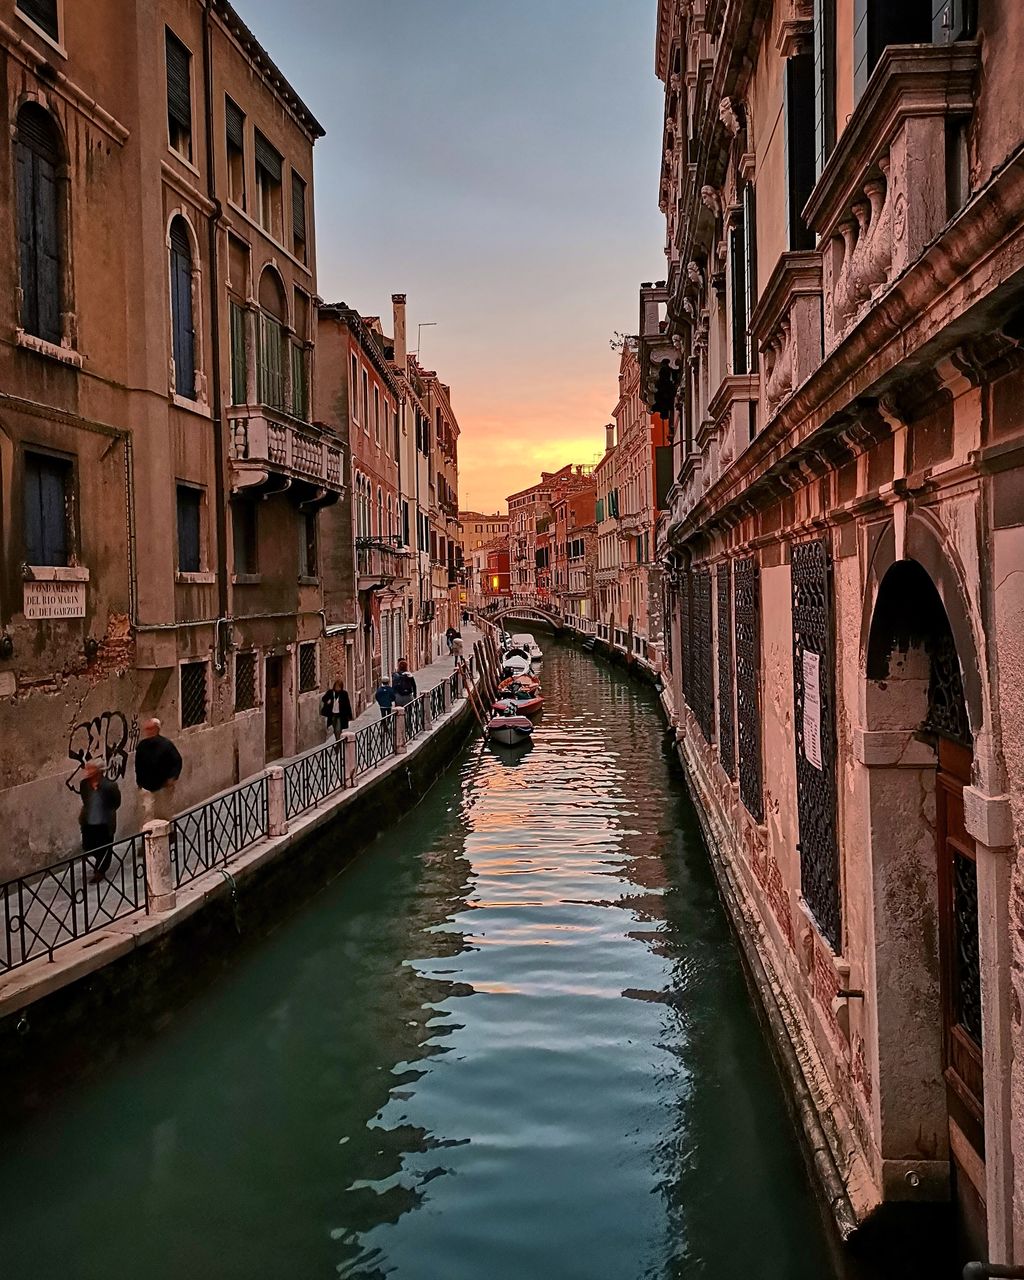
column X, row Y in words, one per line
column 451, row 635
column 336, row 709
column 157, row 769
column 101, row 799
column 403, row 682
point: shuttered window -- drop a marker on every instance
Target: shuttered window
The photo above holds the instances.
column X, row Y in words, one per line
column 738, row 297
column 239, row 361
column 799, row 141
column 182, row 330
column 37, row 159
column 179, row 95
column 298, row 217
column 47, row 490
column 750, row 267
column 300, row 398
column 234, row 139
column 189, row 529
column 246, row 536
column 43, row 13
column 271, row 363
column 268, row 186
column 824, row 82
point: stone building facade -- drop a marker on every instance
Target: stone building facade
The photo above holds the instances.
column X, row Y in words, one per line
column 837, row 347
column 161, row 476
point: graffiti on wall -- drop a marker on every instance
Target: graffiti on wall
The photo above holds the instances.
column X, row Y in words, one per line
column 108, row 739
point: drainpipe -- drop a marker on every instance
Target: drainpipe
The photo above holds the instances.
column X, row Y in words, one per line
column 216, row 405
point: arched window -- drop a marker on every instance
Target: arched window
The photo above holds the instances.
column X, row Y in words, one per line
column 273, row 318
column 380, row 512
column 183, row 338
column 391, row 517
column 38, row 159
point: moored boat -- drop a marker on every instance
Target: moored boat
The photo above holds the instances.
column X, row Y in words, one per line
column 516, row 662
column 525, row 641
column 509, row 730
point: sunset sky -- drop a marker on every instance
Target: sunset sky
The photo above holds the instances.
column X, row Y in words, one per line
column 498, row 162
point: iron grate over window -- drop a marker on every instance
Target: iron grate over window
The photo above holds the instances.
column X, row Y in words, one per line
column 726, row 725
column 702, row 692
column 747, row 629
column 245, row 681
column 815, row 734
column 307, row 667
column 193, row 694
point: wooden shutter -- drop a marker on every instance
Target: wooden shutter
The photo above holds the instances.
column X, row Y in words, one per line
column 737, row 267
column 799, row 114
column 183, row 335
column 298, row 209
column 25, row 179
column 749, row 270
column 37, row 157
column 267, row 158
column 189, row 557
column 43, row 13
column 239, row 363
column 234, row 125
column 298, row 381
column 179, row 89
column 46, row 511
column 47, row 251
column 824, row 81
column 270, row 367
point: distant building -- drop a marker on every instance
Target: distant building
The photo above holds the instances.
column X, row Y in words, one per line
column 479, row 529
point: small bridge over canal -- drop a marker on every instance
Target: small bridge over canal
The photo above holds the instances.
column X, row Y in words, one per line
column 527, row 609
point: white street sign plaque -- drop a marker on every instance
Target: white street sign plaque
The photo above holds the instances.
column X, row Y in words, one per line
column 812, row 708
column 54, row 600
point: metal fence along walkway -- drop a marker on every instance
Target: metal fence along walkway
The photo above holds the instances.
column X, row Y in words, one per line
column 45, row 910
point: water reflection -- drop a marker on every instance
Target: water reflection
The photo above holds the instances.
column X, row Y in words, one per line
column 512, row 1041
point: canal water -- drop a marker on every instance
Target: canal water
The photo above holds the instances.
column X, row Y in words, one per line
column 511, row 1041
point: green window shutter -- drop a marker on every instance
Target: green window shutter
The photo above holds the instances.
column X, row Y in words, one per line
column 299, row 403
column 239, row 365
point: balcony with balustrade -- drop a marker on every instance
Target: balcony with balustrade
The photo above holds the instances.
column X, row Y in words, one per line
column 886, row 190
column 382, row 564
column 271, row 452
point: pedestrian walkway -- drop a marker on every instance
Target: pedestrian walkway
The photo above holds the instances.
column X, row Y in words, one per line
column 62, row 903
column 426, row 677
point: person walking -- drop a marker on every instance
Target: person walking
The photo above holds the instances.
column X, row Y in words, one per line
column 457, row 650
column 336, row 709
column 385, row 696
column 451, row 635
column 157, row 769
column 403, row 683
column 101, row 799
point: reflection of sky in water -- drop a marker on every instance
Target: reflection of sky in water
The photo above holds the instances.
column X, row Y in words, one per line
column 511, row 1042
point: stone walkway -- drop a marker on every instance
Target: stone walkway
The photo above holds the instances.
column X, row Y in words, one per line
column 56, row 905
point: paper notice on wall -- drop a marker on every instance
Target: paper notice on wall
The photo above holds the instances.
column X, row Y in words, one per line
column 54, row 600
column 812, row 708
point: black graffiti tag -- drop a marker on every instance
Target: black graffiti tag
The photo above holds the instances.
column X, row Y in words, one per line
column 108, row 739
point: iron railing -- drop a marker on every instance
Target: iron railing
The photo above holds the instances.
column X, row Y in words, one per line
column 416, row 717
column 211, row 833
column 48, row 909
column 375, row 743
column 311, row 778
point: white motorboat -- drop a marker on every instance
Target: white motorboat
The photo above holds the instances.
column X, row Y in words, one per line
column 525, row 641
column 516, row 662
column 509, row 730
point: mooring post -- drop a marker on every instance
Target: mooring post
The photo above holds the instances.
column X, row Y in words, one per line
column 156, row 845
column 277, row 822
column 349, row 739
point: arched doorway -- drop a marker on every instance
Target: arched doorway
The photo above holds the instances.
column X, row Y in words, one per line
column 925, row 888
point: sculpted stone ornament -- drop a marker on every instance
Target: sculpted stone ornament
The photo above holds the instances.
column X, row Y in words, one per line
column 711, row 199
column 729, row 116
column 694, row 274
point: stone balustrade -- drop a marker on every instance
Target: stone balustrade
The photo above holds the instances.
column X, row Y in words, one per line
column 884, row 193
column 269, row 450
column 786, row 325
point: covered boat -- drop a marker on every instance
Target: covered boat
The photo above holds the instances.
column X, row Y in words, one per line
column 509, row 729
column 516, row 662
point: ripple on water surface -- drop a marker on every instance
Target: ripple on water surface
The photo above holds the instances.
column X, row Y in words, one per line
column 512, row 1042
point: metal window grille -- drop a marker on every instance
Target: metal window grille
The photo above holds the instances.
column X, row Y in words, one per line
column 307, row 667
column 702, row 691
column 726, row 720
column 747, row 629
column 686, row 667
column 193, row 693
column 245, row 681
column 815, row 734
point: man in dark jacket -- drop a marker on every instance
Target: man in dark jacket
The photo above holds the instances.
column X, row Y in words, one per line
column 336, row 709
column 101, row 799
column 157, row 769
column 403, row 682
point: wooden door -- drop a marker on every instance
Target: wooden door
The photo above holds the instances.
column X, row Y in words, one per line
column 961, row 994
column 274, row 708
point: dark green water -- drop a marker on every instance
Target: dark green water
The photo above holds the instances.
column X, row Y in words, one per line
column 511, row 1042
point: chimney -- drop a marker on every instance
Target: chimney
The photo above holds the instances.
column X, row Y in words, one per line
column 398, row 310
column 609, row 437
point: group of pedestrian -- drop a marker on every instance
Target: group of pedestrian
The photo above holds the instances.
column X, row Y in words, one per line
column 398, row 691
column 157, row 769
